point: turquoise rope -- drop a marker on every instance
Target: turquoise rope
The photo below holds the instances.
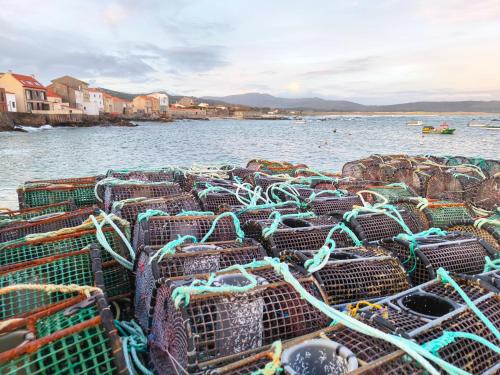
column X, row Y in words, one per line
column 183, row 294
column 491, row 264
column 265, row 206
column 446, row 279
column 134, row 341
column 448, row 337
column 319, row 259
column 278, row 218
column 145, row 216
column 336, row 193
column 169, row 248
column 379, row 209
column 195, row 213
column 237, row 226
column 413, row 349
column 412, row 239
column 101, row 238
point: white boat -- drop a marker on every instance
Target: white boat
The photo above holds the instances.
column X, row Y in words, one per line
column 415, row 123
column 477, row 124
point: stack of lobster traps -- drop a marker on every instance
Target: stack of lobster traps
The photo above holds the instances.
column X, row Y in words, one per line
column 391, row 266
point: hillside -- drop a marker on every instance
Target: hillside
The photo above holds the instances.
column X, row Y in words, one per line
column 318, row 104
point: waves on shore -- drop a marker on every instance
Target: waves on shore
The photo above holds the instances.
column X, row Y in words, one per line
column 31, row 129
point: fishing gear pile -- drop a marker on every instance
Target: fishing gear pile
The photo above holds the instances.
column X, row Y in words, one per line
column 390, row 266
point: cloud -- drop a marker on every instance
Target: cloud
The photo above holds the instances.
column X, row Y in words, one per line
column 55, row 59
column 349, row 66
column 185, row 59
column 459, row 11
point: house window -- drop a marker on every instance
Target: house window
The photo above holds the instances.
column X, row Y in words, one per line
column 13, row 104
column 28, row 94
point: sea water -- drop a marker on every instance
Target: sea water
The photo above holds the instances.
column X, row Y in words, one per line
column 72, row 152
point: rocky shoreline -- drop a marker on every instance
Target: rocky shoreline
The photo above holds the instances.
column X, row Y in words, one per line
column 16, row 121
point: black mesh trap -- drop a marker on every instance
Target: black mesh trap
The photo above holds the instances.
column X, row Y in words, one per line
column 297, row 234
column 189, row 259
column 218, row 325
column 159, row 230
column 454, row 252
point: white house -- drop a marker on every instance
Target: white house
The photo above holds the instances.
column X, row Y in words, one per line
column 163, row 98
column 97, row 98
column 90, row 108
column 10, row 98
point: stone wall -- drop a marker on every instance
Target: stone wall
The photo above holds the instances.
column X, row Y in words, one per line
column 6, row 122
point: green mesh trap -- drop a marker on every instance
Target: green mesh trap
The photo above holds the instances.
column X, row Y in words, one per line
column 42, row 194
column 116, row 279
column 437, row 214
column 28, row 213
column 75, row 339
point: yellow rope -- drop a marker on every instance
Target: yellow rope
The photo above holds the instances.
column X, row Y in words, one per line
column 353, row 311
column 52, row 288
column 87, row 224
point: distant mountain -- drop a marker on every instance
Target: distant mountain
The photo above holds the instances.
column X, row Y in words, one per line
column 269, row 101
column 318, row 104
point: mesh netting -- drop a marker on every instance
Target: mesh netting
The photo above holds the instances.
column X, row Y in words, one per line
column 114, row 193
column 50, row 223
column 364, row 278
column 392, row 193
column 81, row 194
column 450, row 186
column 455, row 254
column 67, row 340
column 189, row 260
column 262, row 214
column 365, row 348
column 115, row 278
column 487, row 232
column 159, row 230
column 358, row 169
column 28, row 213
column 437, row 214
column 173, row 205
column 215, row 201
column 464, row 353
column 166, row 174
column 323, row 206
column 298, row 234
column 221, row 325
column 241, row 173
column 65, row 269
column 488, row 194
column 373, row 227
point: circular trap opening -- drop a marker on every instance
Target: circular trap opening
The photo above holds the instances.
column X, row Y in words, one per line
column 428, row 305
column 319, row 357
column 296, row 223
column 340, row 255
column 232, row 280
column 200, row 248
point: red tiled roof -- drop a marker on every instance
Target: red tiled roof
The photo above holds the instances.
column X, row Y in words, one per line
column 52, row 94
column 28, row 81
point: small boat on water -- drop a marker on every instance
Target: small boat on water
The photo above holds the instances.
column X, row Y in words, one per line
column 300, row 120
column 477, row 124
column 483, row 124
column 415, row 123
column 443, row 129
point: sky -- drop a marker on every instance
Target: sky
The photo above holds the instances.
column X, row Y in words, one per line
column 368, row 51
